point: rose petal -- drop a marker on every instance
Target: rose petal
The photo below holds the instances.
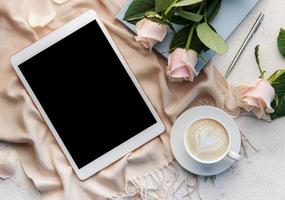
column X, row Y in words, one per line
column 181, row 72
column 149, row 32
column 256, row 98
column 259, row 113
column 251, row 101
column 149, row 29
column 41, row 13
column 8, row 163
column 60, row 1
column 177, row 58
column 191, row 60
column 264, row 93
column 181, row 63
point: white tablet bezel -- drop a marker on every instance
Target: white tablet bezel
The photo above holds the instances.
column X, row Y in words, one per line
column 119, row 151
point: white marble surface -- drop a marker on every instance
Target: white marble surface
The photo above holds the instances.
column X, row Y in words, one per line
column 18, row 187
column 261, row 175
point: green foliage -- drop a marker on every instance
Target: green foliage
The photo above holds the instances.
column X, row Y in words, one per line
column 277, row 81
column 180, row 40
column 256, row 54
column 195, row 15
column 212, row 9
column 281, row 42
column 190, row 16
column 137, row 10
column 211, row 39
column 186, row 3
column 161, row 5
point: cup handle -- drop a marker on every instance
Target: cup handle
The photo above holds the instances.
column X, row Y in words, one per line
column 234, row 156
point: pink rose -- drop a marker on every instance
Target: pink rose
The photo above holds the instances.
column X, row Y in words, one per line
column 181, row 63
column 256, row 98
column 149, row 33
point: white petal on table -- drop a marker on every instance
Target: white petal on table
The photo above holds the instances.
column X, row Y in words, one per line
column 8, row 163
column 60, row 1
column 41, row 13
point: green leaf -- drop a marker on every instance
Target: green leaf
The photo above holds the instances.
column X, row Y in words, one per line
column 137, row 10
column 135, row 18
column 212, row 9
column 161, row 5
column 197, row 45
column 190, row 15
column 192, row 8
column 277, row 81
column 179, row 20
column 180, row 39
column 280, row 110
column 275, row 76
column 187, row 3
column 211, row 39
column 281, row 41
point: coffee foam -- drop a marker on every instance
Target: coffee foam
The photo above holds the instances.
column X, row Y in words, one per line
column 207, row 139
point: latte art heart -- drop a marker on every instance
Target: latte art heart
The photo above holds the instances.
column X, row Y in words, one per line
column 207, row 139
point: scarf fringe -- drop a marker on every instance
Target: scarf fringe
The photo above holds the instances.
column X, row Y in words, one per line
column 169, row 181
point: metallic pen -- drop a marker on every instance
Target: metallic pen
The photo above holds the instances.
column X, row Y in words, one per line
column 244, row 44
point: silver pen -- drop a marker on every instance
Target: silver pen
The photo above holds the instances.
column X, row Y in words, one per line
column 247, row 39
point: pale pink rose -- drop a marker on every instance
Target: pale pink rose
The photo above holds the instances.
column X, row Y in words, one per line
column 256, row 98
column 181, row 63
column 149, row 33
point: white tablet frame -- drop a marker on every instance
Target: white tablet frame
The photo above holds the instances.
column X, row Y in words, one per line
column 119, row 151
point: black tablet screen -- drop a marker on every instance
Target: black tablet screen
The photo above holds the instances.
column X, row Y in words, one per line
column 87, row 94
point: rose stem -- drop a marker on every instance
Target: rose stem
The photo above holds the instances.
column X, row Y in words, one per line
column 169, row 9
column 191, row 32
column 262, row 72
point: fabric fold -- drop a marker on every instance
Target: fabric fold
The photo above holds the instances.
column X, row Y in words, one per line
column 21, row 124
column 8, row 163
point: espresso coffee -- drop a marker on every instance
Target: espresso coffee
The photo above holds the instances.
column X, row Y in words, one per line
column 207, row 139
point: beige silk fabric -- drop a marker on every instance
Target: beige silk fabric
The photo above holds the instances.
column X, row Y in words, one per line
column 22, row 125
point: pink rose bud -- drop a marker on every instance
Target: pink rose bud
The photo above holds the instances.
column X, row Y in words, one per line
column 257, row 98
column 149, row 33
column 181, row 63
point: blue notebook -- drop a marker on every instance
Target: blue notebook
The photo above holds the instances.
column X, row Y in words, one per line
column 231, row 14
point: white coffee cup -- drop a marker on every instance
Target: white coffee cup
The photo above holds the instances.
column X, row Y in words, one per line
column 227, row 150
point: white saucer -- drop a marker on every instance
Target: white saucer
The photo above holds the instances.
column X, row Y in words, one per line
column 177, row 136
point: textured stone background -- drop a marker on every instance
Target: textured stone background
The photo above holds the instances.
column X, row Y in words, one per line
column 18, row 187
column 261, row 175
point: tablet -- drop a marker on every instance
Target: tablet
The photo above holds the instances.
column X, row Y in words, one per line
column 87, row 94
